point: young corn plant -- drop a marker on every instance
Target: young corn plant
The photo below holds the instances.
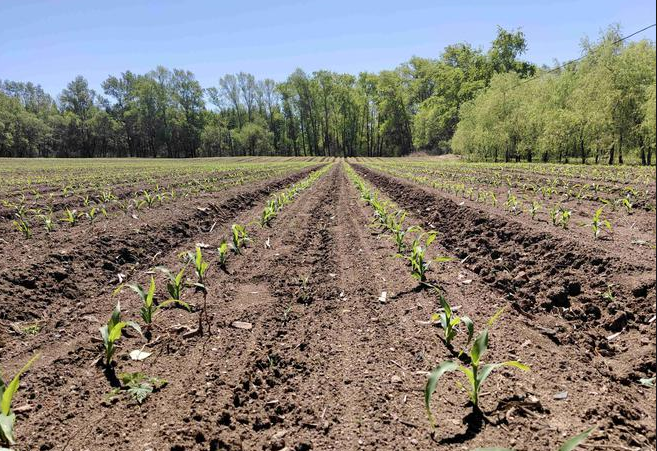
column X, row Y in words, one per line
column 535, row 208
column 112, row 332
column 149, row 307
column 222, row 252
column 565, row 218
column 476, row 374
column 200, row 268
column 23, row 226
column 418, row 259
column 175, row 284
column 399, row 233
column 7, row 416
column 48, row 223
column 449, row 321
column 71, row 217
column 598, row 224
column 269, row 213
column 240, row 238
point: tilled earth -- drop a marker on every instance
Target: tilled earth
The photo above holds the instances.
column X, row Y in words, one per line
column 303, row 351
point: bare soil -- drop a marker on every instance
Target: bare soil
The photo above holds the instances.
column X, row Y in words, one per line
column 325, row 363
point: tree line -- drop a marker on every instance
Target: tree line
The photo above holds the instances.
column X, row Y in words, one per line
column 483, row 104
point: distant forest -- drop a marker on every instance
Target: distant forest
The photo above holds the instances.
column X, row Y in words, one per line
column 483, row 104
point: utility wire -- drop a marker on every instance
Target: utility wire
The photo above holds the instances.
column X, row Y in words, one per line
column 618, row 41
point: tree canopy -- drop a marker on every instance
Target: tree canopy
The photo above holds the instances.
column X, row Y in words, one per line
column 485, row 104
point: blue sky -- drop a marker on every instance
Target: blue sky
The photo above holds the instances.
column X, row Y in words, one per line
column 50, row 42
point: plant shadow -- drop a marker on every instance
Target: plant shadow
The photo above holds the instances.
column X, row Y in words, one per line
column 475, row 423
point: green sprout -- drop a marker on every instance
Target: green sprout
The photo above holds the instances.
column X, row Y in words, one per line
column 598, row 224
column 7, row 416
column 112, row 332
column 23, row 226
column 449, row 321
column 476, row 374
column 240, row 238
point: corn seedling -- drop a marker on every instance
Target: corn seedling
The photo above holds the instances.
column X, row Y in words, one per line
column 149, row 307
column 417, row 257
column 269, row 213
column 240, row 238
column 565, row 218
column 112, row 332
column 535, row 208
column 23, row 226
column 93, row 213
column 398, row 231
column 71, row 217
column 222, row 251
column 200, row 266
column 48, row 223
column 175, row 284
column 449, row 322
column 599, row 223
column 476, row 374
column 512, row 204
column 627, row 204
column 7, row 416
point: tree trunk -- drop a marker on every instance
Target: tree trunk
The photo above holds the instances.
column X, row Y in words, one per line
column 620, row 149
column 612, row 152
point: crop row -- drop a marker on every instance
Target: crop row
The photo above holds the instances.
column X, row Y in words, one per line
column 468, row 359
column 537, row 201
column 70, row 209
column 193, row 274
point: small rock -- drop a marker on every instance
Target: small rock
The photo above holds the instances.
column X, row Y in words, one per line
column 561, row 395
column 396, row 379
column 242, row 325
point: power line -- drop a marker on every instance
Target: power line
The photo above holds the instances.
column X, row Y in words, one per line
column 618, row 41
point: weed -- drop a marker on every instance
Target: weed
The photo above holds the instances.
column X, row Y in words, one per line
column 139, row 386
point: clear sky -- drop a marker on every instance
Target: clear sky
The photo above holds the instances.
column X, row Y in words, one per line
column 50, row 42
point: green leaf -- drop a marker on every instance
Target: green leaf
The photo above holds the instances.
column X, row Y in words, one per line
column 10, row 390
column 137, row 289
column 115, row 332
column 151, row 293
column 7, row 428
column 469, row 324
column 140, row 392
column 445, row 305
column 572, row 443
column 443, row 259
column 479, row 347
column 430, row 388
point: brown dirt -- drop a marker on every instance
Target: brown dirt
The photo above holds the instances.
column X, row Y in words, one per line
column 325, row 364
